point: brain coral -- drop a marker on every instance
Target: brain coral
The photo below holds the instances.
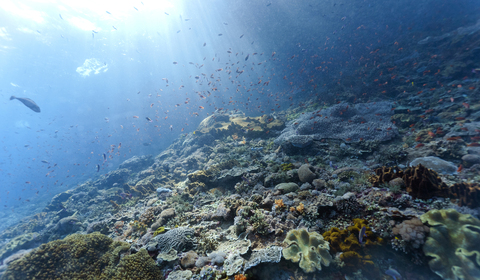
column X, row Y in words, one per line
column 307, row 247
column 91, row 256
column 367, row 121
column 180, row 239
column 454, row 244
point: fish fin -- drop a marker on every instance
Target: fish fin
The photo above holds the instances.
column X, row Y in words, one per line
column 12, row 97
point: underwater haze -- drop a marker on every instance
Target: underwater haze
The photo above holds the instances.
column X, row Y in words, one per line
column 171, row 109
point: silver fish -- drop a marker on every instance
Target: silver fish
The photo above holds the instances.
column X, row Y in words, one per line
column 362, row 234
column 27, row 102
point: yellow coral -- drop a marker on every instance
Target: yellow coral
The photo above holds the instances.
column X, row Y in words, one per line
column 301, row 208
column 279, row 203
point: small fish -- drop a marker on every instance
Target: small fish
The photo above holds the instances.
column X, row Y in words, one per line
column 460, row 168
column 220, row 34
column 392, row 272
column 268, row 5
column 98, row 167
column 466, row 105
column 114, row 27
column 204, row 44
column 246, row 58
column 27, row 102
column 60, row 16
column 135, row 117
column 44, row 161
column 241, row 36
column 135, row 8
column 108, row 12
column 104, row 157
column 149, row 119
column 171, row 127
column 167, row 13
column 362, row 234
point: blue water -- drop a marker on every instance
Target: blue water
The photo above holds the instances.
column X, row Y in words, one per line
column 295, row 49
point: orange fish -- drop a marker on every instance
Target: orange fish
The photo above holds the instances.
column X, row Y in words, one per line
column 467, row 106
column 460, row 168
column 459, row 118
column 201, row 107
column 431, row 134
column 348, row 139
column 135, row 117
column 455, row 138
column 419, row 145
column 474, row 144
column 451, row 99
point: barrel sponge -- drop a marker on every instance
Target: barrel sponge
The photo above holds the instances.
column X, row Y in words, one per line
column 454, row 244
column 307, row 247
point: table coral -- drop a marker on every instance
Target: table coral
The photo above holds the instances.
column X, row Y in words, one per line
column 308, row 248
column 453, row 244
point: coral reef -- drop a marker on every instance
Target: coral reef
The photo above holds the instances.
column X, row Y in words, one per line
column 84, row 257
column 308, row 248
column 453, row 244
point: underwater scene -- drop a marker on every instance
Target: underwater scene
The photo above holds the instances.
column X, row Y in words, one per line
column 240, row 140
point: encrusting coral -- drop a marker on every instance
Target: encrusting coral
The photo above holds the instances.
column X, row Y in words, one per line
column 453, row 244
column 308, row 248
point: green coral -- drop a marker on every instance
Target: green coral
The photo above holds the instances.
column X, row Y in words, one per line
column 91, row 256
column 453, row 244
column 308, row 248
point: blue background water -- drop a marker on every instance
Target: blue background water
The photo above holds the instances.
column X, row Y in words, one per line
column 40, row 52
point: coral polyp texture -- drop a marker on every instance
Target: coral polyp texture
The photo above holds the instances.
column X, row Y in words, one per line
column 308, row 248
column 453, row 244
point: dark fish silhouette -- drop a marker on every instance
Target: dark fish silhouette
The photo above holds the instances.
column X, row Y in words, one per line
column 27, row 102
